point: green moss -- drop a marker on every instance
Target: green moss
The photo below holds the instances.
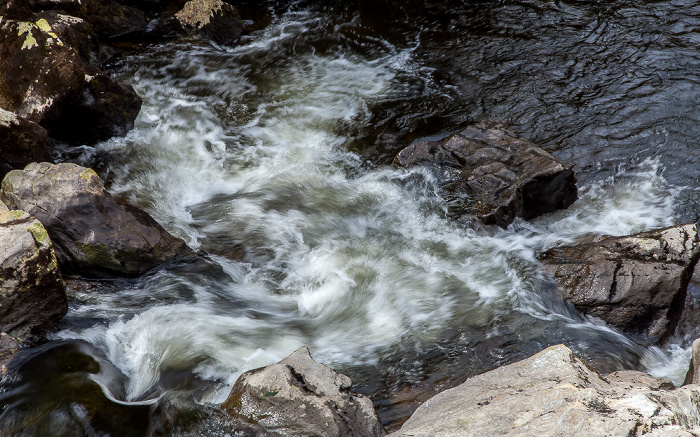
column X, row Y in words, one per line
column 39, row 233
column 96, row 255
column 88, row 175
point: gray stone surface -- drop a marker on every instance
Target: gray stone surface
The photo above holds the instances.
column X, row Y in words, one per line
column 693, row 375
column 553, row 393
column 300, row 397
column 32, row 293
column 495, row 174
column 93, row 233
column 637, row 283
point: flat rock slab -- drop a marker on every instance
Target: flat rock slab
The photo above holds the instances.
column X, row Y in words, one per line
column 553, row 393
column 637, row 283
column 32, row 293
column 300, row 397
column 496, row 174
column 94, row 234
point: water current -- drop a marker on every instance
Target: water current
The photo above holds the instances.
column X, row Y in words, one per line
column 273, row 157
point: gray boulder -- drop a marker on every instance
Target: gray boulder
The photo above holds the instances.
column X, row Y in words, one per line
column 94, row 234
column 637, row 283
column 213, row 19
column 32, row 293
column 495, row 174
column 299, row 397
column 553, row 393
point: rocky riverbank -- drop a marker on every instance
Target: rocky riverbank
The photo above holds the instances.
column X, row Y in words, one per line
column 58, row 219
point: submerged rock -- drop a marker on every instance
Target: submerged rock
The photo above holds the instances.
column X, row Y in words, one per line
column 637, row 283
column 298, row 396
column 496, row 174
column 32, row 293
column 555, row 393
column 213, row 19
column 94, row 234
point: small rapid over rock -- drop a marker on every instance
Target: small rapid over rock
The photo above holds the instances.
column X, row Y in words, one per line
column 274, row 157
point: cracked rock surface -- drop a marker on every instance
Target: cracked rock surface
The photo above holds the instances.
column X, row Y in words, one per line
column 637, row 283
column 495, row 174
column 32, row 293
column 93, row 233
column 553, row 393
column 299, row 396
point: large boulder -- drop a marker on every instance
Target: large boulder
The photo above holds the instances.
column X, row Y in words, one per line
column 495, row 174
column 637, row 283
column 213, row 19
column 301, row 397
column 39, row 74
column 94, row 234
column 21, row 142
column 43, row 79
column 553, row 393
column 32, row 293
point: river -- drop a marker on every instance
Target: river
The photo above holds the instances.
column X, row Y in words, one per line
column 273, row 157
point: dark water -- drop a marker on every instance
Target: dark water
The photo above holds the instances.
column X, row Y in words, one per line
column 273, row 157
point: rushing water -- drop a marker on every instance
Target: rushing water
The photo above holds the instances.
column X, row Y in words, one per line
column 273, row 158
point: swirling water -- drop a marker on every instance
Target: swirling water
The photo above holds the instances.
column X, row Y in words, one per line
column 272, row 157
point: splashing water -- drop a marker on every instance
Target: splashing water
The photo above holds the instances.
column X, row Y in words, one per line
column 241, row 153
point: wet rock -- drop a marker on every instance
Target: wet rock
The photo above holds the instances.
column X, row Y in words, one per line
column 15, row 9
column 94, row 234
column 298, row 396
column 693, row 375
column 44, row 80
column 496, row 174
column 107, row 109
column 32, row 293
column 75, row 33
column 21, row 142
column 637, row 283
column 555, row 393
column 214, row 19
column 109, row 19
column 39, row 74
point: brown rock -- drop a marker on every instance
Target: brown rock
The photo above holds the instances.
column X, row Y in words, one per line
column 39, row 74
column 109, row 19
column 497, row 174
column 93, row 233
column 21, row 142
column 637, row 283
column 298, row 396
column 44, row 80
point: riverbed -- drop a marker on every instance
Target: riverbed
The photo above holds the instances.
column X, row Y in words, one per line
column 273, row 158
